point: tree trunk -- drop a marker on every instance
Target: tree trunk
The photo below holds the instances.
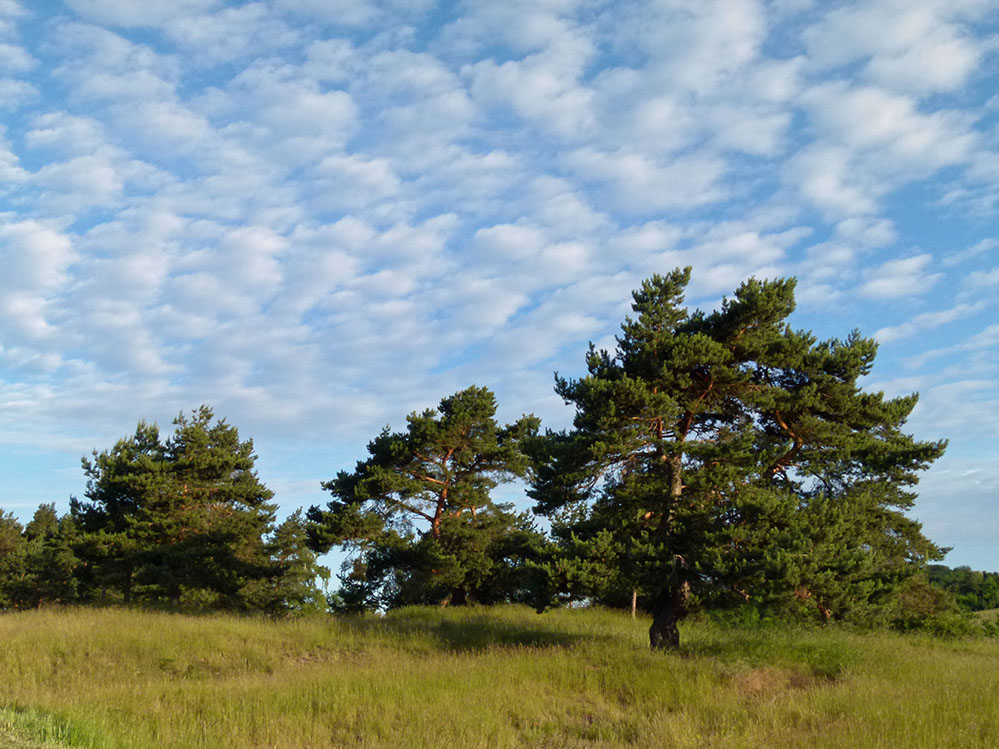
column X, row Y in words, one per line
column 670, row 609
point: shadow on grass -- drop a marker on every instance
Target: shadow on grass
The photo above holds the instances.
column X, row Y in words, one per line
column 472, row 630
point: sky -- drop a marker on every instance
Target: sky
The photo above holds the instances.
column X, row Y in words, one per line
column 318, row 216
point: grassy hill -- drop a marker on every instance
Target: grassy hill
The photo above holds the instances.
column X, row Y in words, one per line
column 480, row 677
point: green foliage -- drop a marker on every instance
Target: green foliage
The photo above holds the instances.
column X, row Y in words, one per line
column 489, row 558
column 183, row 520
column 722, row 458
column 922, row 606
column 12, row 553
column 973, row 590
column 38, row 563
column 419, row 510
column 292, row 585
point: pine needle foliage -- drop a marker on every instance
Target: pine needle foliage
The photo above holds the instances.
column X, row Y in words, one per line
column 725, row 457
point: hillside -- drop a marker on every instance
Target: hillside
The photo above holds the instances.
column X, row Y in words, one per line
column 498, row 677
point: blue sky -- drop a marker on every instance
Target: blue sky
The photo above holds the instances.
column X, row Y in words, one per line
column 320, row 215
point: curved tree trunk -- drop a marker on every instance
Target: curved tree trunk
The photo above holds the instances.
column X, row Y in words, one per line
column 672, row 606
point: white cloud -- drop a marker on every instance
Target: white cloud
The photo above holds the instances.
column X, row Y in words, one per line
column 983, row 341
column 973, row 253
column 82, row 182
column 891, row 127
column 35, row 256
column 36, row 260
column 15, row 59
column 984, row 279
column 551, row 98
column 61, row 132
column 698, row 46
column 230, row 33
column 352, row 182
column 354, row 13
column 923, row 47
column 911, row 276
column 956, row 409
column 867, row 232
column 640, row 185
column 15, row 94
column 827, row 177
column 525, row 26
column 926, row 321
column 11, row 172
column 150, row 13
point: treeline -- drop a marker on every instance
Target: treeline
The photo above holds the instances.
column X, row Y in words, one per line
column 972, row 590
column 716, row 460
column 182, row 521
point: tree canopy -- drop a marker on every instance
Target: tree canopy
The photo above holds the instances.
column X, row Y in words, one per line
column 181, row 519
column 420, row 512
column 724, row 456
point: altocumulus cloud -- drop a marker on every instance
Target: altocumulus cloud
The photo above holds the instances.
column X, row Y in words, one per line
column 318, row 216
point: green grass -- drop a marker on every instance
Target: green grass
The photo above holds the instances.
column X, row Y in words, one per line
column 480, row 677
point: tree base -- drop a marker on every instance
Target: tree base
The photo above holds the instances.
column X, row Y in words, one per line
column 664, row 633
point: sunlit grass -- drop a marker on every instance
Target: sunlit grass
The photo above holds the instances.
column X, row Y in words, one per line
column 481, row 677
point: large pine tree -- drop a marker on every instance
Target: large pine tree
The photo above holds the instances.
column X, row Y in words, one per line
column 726, row 457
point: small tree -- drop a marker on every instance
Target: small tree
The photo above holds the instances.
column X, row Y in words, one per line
column 724, row 457
column 419, row 508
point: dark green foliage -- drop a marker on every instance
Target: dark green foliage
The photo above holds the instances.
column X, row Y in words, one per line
column 491, row 558
column 292, row 583
column 972, row 589
column 924, row 607
column 37, row 564
column 182, row 520
column 419, row 510
column 12, row 545
column 725, row 458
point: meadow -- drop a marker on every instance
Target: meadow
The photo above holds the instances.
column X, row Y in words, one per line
column 480, row 677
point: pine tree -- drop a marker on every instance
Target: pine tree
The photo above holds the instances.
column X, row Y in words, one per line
column 419, row 507
column 292, row 586
column 181, row 519
column 37, row 564
column 725, row 457
column 12, row 553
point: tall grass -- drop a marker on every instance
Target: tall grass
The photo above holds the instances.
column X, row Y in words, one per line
column 480, row 677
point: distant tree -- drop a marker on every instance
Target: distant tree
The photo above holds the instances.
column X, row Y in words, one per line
column 12, row 553
column 724, row 458
column 293, row 584
column 180, row 519
column 37, row 566
column 50, row 560
column 419, row 510
column 974, row 590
